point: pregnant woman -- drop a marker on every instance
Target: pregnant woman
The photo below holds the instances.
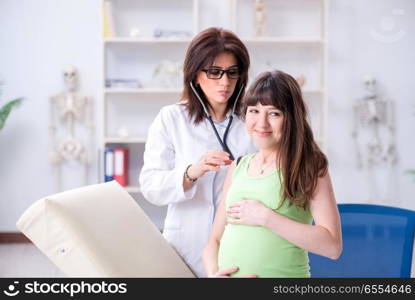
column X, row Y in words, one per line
column 263, row 226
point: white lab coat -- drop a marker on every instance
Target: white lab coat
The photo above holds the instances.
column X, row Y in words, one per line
column 174, row 142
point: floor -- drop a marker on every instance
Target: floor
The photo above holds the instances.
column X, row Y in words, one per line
column 25, row 260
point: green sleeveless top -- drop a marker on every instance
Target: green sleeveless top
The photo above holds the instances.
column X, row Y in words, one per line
column 255, row 249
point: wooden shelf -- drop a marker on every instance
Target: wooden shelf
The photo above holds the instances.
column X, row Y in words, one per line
column 284, row 40
column 114, row 91
column 132, row 189
column 312, row 91
column 128, row 40
column 130, row 140
column 265, row 39
column 171, row 91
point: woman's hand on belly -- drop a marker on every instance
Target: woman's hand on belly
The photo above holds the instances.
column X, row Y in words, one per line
column 248, row 212
column 225, row 273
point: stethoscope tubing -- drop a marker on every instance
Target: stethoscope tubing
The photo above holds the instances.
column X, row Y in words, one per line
column 228, row 126
column 222, row 143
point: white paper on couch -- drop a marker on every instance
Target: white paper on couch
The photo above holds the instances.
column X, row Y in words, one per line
column 100, row 231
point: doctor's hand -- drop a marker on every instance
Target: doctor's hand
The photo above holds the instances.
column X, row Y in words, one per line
column 210, row 161
column 248, row 212
column 225, row 273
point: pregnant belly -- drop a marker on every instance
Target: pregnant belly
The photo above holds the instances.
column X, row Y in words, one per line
column 259, row 251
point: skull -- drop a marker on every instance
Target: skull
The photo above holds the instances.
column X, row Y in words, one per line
column 370, row 82
column 70, row 76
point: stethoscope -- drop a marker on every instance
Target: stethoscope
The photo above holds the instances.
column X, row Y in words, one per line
column 209, row 117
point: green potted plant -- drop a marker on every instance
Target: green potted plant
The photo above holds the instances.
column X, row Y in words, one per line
column 412, row 172
column 6, row 109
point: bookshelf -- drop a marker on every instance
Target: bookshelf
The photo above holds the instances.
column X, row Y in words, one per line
column 294, row 40
column 129, row 110
column 297, row 47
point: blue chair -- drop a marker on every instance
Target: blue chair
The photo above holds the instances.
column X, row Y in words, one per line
column 377, row 242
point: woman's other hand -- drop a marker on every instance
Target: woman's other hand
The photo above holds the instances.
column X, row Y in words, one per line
column 248, row 212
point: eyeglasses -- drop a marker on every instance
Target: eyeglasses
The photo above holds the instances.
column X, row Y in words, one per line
column 216, row 73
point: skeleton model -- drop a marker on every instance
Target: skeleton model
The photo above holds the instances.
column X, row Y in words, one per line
column 167, row 74
column 70, row 111
column 373, row 132
column 260, row 18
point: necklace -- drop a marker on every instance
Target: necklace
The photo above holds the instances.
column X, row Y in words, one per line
column 263, row 167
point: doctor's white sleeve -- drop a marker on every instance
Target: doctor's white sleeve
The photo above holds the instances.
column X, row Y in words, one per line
column 161, row 182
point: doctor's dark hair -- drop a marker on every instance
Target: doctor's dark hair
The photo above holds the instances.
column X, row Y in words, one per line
column 301, row 162
column 201, row 53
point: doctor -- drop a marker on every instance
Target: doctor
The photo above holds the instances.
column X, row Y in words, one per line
column 190, row 144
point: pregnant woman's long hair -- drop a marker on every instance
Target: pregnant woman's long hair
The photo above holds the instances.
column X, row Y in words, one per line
column 300, row 159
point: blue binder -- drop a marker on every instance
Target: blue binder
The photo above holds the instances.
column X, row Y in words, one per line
column 109, row 164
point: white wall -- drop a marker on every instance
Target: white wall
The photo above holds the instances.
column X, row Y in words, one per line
column 355, row 51
column 40, row 37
